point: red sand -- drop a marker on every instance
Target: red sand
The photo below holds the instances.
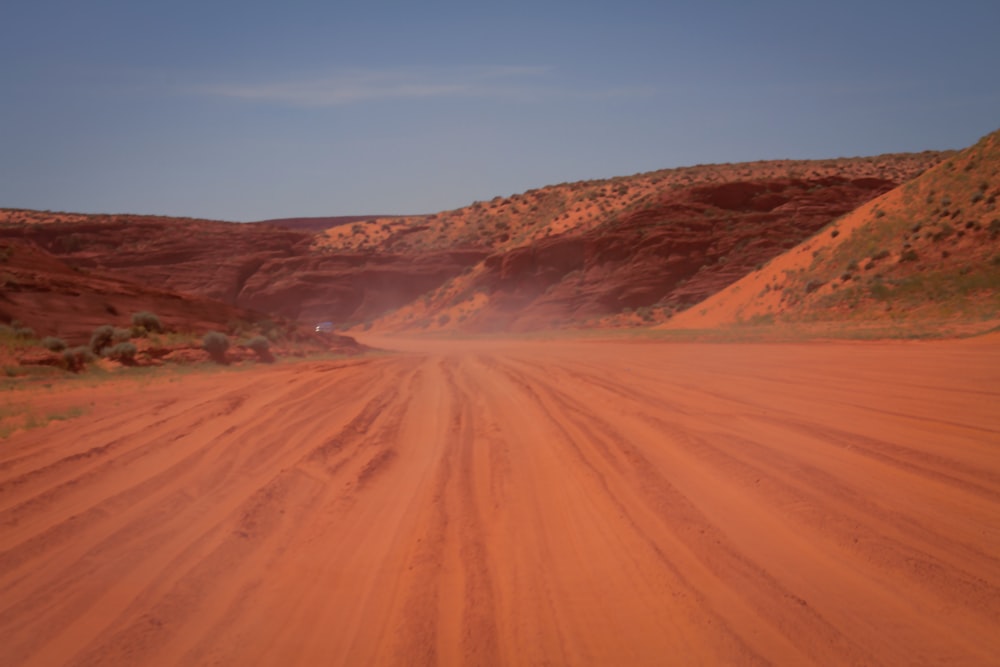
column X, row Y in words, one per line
column 516, row 503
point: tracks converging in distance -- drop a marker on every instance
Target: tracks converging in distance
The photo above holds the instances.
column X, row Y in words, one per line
column 518, row 503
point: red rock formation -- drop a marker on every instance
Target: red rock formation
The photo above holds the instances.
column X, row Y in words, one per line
column 55, row 299
column 675, row 253
column 587, row 250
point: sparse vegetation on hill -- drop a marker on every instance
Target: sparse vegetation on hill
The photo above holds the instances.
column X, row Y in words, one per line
column 650, row 245
column 626, row 251
column 927, row 250
column 509, row 222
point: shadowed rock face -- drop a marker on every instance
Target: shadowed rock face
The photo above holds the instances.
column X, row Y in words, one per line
column 255, row 267
column 676, row 252
column 349, row 287
column 56, row 299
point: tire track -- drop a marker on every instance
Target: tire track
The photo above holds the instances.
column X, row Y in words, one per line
column 517, row 503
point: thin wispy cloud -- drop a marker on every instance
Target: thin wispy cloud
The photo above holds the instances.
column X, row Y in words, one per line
column 356, row 86
column 359, row 86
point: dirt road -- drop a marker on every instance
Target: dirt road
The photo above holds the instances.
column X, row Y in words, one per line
column 516, row 503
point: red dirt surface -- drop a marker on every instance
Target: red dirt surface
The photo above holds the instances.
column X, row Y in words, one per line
column 516, row 503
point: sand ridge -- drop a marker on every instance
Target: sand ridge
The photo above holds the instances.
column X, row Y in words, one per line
column 517, row 503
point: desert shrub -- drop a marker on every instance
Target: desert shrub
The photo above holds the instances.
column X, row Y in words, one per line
column 123, row 352
column 77, row 357
column 813, row 285
column 147, row 321
column 54, row 344
column 880, row 290
column 262, row 346
column 24, row 333
column 101, row 338
column 215, row 344
column 120, row 335
column 259, row 344
column 909, row 255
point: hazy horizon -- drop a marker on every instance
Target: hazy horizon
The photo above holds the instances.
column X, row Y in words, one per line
column 248, row 111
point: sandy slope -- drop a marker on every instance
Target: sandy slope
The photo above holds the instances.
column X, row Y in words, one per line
column 517, row 503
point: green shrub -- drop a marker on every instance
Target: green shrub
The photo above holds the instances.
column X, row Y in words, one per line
column 54, row 344
column 147, row 321
column 101, row 338
column 123, row 352
column 78, row 357
column 262, row 346
column 216, row 344
column 259, row 344
column 121, row 335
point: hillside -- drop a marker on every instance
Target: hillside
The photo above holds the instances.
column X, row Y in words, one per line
column 581, row 253
column 929, row 250
column 315, row 224
column 54, row 298
column 252, row 266
column 622, row 251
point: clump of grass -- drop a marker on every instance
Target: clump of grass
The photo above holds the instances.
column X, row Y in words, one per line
column 22, row 417
column 54, row 344
column 144, row 322
column 124, row 352
column 102, row 338
column 216, row 344
column 76, row 358
column 262, row 346
column 24, row 333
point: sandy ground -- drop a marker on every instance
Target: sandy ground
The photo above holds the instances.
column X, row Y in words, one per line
column 516, row 503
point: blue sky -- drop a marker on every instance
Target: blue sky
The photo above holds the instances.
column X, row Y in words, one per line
column 251, row 110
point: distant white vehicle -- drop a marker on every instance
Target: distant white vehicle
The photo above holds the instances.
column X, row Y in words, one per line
column 324, row 327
